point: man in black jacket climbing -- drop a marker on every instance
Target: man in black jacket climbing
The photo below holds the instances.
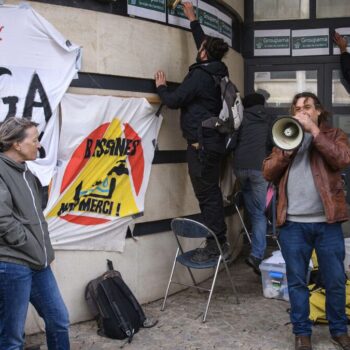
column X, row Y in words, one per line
column 342, row 42
column 199, row 98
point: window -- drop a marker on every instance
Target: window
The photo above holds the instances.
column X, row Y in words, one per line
column 340, row 96
column 269, row 10
column 332, row 8
column 342, row 121
column 281, row 86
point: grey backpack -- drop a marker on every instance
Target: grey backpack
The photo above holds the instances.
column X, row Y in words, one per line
column 231, row 114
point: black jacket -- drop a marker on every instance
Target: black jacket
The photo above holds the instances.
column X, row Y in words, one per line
column 345, row 69
column 345, row 66
column 254, row 141
column 198, row 97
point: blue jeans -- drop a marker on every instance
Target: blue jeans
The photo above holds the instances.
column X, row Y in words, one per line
column 254, row 188
column 297, row 241
column 19, row 285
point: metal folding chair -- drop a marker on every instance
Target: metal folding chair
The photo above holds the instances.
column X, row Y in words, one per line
column 192, row 229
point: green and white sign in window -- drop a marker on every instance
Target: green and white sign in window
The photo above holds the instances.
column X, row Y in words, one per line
column 213, row 21
column 151, row 9
column 310, row 42
column 177, row 17
column 225, row 27
column 272, row 42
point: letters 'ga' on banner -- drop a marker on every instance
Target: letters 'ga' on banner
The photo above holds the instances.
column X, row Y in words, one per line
column 37, row 64
column 105, row 156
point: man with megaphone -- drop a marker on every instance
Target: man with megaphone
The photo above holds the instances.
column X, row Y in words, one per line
column 311, row 207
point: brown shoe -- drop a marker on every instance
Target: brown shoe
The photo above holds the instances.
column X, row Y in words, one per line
column 303, row 342
column 342, row 340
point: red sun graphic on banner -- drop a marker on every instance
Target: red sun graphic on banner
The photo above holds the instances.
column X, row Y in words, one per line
column 121, row 157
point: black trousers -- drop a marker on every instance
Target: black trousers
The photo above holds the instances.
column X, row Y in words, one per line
column 204, row 171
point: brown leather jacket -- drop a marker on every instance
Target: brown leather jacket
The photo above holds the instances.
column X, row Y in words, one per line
column 329, row 154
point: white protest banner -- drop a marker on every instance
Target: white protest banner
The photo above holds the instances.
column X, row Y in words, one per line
column 105, row 155
column 37, row 64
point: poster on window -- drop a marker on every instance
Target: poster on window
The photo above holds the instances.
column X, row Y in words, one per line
column 272, row 42
column 177, row 17
column 151, row 9
column 310, row 42
column 37, row 64
column 214, row 22
column 105, row 155
column 225, row 27
column 207, row 16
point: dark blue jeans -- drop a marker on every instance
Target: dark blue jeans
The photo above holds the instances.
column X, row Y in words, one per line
column 20, row 285
column 254, row 188
column 297, row 241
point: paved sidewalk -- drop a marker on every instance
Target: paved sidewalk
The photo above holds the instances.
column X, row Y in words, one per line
column 256, row 323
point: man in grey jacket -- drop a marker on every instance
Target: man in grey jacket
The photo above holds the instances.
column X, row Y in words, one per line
column 25, row 248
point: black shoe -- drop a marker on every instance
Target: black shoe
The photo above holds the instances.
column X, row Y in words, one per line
column 342, row 340
column 211, row 251
column 303, row 342
column 254, row 263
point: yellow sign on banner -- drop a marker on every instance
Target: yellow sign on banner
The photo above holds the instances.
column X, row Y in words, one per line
column 104, row 185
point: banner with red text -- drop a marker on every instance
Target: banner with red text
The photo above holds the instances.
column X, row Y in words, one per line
column 104, row 162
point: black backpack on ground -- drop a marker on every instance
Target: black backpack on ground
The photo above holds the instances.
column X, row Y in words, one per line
column 116, row 310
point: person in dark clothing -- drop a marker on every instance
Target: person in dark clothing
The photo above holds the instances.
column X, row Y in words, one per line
column 199, row 98
column 253, row 145
column 342, row 42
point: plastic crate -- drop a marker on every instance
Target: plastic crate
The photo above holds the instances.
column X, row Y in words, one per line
column 274, row 278
column 274, row 281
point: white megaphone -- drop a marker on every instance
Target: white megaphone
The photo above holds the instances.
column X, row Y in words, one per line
column 287, row 133
column 173, row 3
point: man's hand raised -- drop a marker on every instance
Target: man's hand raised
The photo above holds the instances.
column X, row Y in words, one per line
column 189, row 10
column 160, row 78
column 340, row 41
